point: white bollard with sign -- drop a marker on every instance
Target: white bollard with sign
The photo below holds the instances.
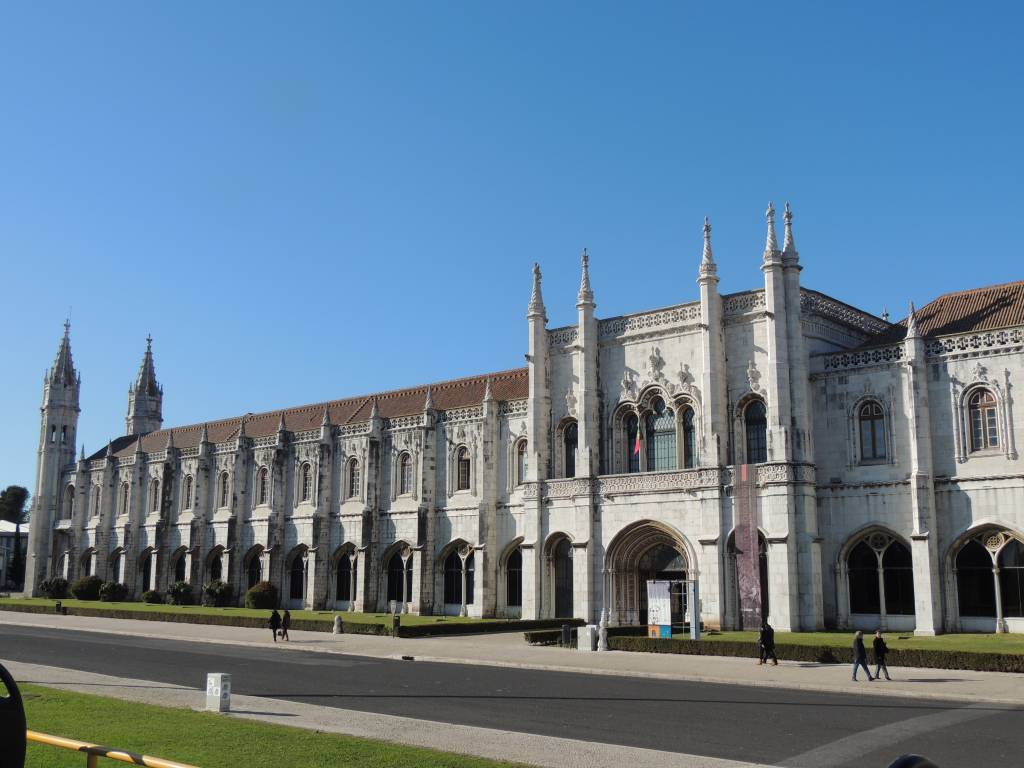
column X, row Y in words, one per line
column 218, row 692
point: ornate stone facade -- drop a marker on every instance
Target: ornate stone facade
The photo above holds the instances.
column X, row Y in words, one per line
column 875, row 456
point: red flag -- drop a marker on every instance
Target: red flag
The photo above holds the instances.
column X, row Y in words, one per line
column 636, row 447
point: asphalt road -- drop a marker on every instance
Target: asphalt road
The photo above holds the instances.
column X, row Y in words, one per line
column 772, row 726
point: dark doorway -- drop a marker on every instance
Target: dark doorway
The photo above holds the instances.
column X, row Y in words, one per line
column 563, row 579
column 663, row 563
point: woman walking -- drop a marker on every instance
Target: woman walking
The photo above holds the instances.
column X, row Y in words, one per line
column 860, row 656
column 881, row 649
column 286, row 622
column 275, row 623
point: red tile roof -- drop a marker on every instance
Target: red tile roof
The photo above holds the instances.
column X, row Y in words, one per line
column 446, row 395
column 979, row 309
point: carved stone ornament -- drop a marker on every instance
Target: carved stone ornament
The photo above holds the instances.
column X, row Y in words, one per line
column 753, row 377
column 655, row 364
column 628, row 386
column 979, row 372
column 570, row 402
column 465, row 551
column 406, row 552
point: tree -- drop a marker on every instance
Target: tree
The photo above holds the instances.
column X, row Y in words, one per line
column 12, row 509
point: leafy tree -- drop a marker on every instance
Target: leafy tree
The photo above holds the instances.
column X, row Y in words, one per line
column 12, row 509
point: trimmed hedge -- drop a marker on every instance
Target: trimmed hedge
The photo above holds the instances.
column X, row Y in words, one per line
column 152, row 597
column 87, row 588
column 484, row 627
column 262, row 594
column 911, row 657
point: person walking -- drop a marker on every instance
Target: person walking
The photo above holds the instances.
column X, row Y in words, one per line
column 766, row 642
column 860, row 656
column 275, row 623
column 286, row 621
column 881, row 649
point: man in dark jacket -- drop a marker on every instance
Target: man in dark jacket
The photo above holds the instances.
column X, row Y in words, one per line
column 275, row 623
column 881, row 649
column 860, row 656
column 286, row 621
column 766, row 642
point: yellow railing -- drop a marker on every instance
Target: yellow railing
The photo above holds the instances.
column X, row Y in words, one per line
column 94, row 751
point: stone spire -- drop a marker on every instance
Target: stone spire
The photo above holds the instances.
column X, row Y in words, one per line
column 788, row 245
column 707, row 260
column 586, row 294
column 63, row 370
column 326, row 420
column 204, row 436
column 428, row 404
column 280, row 424
column 170, row 439
column 81, row 455
column 912, row 329
column 110, row 449
column 241, row 428
column 488, row 395
column 145, row 381
column 771, row 245
column 375, row 411
column 885, row 313
column 536, row 300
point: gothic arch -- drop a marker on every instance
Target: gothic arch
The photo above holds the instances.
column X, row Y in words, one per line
column 179, row 566
column 623, row 559
column 885, row 579
column 560, row 454
column 297, row 576
column 252, row 563
column 557, row 599
column 115, row 565
column 214, row 566
column 510, row 582
column 855, row 436
column 390, row 586
column 739, row 425
column 343, row 582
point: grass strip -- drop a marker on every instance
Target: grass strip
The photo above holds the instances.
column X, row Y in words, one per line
column 206, row 739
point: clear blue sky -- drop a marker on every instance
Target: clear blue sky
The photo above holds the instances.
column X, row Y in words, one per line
column 309, row 201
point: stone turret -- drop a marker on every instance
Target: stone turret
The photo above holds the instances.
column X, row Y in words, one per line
column 713, row 379
column 588, row 421
column 145, row 397
column 57, row 428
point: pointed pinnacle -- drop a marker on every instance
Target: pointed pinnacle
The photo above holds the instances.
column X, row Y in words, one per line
column 428, row 404
column 110, row 448
column 912, row 329
column 771, row 243
column 81, row 455
column 170, row 439
column 280, row 423
column 536, row 299
column 326, row 420
column 241, row 427
column 488, row 395
column 586, row 294
column 707, row 257
column 204, row 436
column 788, row 245
column 375, row 411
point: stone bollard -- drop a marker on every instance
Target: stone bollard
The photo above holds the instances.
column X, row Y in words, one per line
column 218, row 692
column 337, row 625
column 602, row 636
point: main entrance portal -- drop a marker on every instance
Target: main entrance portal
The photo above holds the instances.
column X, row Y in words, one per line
column 645, row 551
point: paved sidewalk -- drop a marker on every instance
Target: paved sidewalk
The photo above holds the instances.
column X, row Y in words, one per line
column 509, row 650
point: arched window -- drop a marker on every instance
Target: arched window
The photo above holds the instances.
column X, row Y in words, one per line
column 862, row 565
column 216, row 568
column 981, row 408
column 147, row 572
column 353, row 478
column 453, row 579
column 570, row 442
column 520, row 462
column 463, row 469
column 96, row 496
column 297, row 578
column 395, row 570
column 689, row 440
column 115, row 567
column 470, row 577
column 405, row 475
column 124, row 498
column 514, row 579
column 224, row 489
column 262, row 486
column 1011, row 578
column 343, row 583
column 186, row 497
column 898, row 578
column 255, row 570
column 154, row 494
column 87, row 563
column 563, row 579
column 661, row 437
column 305, row 482
column 632, row 425
column 69, row 502
column 974, row 585
column 872, row 434
column 179, row 568
column 755, row 421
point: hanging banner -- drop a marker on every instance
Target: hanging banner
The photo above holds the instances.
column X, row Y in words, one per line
column 659, row 609
column 748, row 559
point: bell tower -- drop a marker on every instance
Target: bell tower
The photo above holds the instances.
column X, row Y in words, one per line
column 145, row 398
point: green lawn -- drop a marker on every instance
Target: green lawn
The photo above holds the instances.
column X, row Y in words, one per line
column 205, row 739
column 325, row 616
column 1004, row 643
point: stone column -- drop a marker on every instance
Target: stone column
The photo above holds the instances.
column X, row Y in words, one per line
column 881, row 593
column 1000, row 623
column 406, row 554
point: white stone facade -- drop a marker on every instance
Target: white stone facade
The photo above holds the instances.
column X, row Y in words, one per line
column 425, row 495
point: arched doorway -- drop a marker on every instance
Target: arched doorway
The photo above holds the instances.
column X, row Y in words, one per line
column 297, row 578
column 561, row 557
column 642, row 551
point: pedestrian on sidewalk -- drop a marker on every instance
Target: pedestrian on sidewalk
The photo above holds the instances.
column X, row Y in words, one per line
column 881, row 649
column 766, row 642
column 860, row 656
column 275, row 623
column 286, row 621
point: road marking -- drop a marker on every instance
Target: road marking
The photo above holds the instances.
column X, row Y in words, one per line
column 848, row 749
